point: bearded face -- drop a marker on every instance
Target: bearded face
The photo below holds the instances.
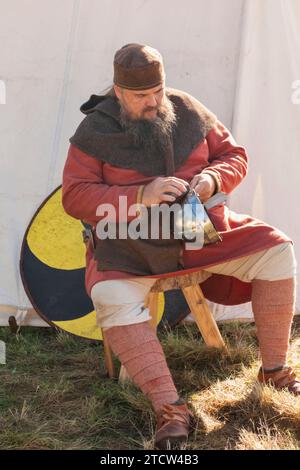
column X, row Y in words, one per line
column 149, row 117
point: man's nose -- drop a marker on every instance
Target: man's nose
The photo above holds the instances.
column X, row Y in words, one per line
column 151, row 101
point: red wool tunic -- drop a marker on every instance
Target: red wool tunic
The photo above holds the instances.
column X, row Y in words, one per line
column 88, row 182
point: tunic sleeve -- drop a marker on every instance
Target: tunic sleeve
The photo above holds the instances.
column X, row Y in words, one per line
column 228, row 161
column 83, row 189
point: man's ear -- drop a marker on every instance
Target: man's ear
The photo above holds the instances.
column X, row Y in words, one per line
column 118, row 91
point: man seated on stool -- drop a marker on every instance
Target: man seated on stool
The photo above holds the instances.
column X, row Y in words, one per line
column 148, row 143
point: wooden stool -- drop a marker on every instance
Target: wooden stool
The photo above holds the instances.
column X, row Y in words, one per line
column 189, row 284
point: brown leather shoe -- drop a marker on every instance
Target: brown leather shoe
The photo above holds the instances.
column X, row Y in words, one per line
column 173, row 425
column 281, row 379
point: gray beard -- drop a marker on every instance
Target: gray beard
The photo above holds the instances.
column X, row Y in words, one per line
column 151, row 134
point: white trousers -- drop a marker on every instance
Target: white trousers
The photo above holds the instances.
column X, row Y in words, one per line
column 121, row 302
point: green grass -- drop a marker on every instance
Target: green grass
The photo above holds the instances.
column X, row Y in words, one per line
column 54, row 394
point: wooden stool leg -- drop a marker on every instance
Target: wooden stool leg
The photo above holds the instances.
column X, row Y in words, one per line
column 203, row 316
column 108, row 357
column 153, row 307
column 151, row 302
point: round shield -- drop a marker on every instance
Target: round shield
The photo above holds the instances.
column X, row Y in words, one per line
column 52, row 267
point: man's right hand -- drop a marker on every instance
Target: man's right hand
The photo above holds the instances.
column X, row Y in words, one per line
column 155, row 192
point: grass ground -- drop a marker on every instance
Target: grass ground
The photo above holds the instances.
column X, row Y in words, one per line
column 54, row 394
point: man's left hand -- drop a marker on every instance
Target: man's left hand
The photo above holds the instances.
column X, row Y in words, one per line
column 204, row 186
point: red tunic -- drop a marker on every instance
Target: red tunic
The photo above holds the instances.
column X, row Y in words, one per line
column 88, row 182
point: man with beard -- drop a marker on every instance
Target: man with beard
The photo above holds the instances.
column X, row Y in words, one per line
column 150, row 143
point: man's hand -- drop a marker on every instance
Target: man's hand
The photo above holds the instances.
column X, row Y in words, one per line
column 204, row 185
column 155, row 192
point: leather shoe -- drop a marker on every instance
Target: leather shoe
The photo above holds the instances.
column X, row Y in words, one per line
column 173, row 425
column 284, row 378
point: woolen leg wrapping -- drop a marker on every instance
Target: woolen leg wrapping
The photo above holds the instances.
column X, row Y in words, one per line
column 139, row 350
column 273, row 304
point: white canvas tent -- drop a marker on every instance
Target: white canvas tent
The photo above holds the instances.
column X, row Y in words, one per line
column 241, row 58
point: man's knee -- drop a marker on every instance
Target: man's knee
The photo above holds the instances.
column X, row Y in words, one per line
column 121, row 302
column 121, row 291
column 282, row 263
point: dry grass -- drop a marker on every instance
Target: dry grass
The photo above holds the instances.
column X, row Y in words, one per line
column 54, row 394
